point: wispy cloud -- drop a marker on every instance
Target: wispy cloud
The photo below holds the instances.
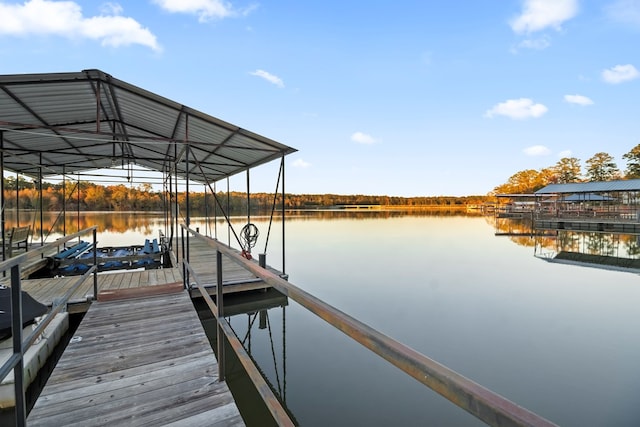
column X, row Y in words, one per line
column 537, row 150
column 539, row 43
column 624, row 11
column 363, row 138
column 268, row 77
column 299, row 163
column 565, row 153
column 65, row 19
column 517, row 109
column 539, row 15
column 578, row 99
column 205, row 10
column 620, row 73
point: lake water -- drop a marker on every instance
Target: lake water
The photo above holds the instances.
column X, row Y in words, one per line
column 560, row 340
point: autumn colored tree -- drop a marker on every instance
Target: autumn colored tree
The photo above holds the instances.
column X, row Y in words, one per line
column 633, row 163
column 95, row 197
column 601, row 167
column 527, row 181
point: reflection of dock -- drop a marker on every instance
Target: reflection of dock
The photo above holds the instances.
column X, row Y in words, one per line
column 533, row 233
column 254, row 302
column 588, row 224
column 597, row 261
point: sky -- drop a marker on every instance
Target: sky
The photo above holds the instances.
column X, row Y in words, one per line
column 402, row 98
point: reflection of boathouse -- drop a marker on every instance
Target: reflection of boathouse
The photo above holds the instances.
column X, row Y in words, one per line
column 612, row 206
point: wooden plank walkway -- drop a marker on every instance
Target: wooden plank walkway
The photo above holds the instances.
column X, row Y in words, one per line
column 47, row 290
column 143, row 362
column 202, row 259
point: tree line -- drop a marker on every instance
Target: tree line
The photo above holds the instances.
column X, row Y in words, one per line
column 87, row 196
column 600, row 167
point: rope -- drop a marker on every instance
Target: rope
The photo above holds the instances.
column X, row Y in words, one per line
column 249, row 237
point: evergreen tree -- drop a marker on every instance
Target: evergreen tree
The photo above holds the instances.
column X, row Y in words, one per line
column 601, row 167
column 567, row 170
column 633, row 163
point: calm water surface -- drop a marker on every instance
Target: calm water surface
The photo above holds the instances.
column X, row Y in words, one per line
column 560, row 340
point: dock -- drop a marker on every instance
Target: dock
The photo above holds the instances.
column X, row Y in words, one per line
column 140, row 354
column 143, row 361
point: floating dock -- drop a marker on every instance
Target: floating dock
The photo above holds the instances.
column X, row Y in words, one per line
column 140, row 354
column 141, row 361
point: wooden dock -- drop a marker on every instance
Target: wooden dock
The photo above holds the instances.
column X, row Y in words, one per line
column 202, row 259
column 140, row 355
column 48, row 290
column 144, row 361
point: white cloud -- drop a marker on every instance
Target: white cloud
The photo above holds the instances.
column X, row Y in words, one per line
column 540, row 14
column 540, row 43
column 204, row 9
column 65, row 19
column 299, row 163
column 268, row 77
column 111, row 9
column 517, row 109
column 537, row 150
column 578, row 99
column 620, row 73
column 625, row 11
column 565, row 153
column 362, row 138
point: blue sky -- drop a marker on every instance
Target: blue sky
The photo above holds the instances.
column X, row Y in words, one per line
column 404, row 98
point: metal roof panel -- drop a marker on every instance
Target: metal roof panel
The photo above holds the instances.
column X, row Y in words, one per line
column 75, row 122
column 592, row 187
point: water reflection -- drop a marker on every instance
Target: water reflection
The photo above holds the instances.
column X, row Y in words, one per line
column 258, row 320
column 586, row 248
column 135, row 227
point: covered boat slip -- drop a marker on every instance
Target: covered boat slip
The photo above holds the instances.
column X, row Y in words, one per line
column 607, row 206
column 66, row 127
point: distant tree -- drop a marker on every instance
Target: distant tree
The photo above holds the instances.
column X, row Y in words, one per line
column 526, row 181
column 601, row 167
column 633, row 163
column 567, row 170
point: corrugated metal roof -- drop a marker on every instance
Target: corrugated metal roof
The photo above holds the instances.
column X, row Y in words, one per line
column 75, row 122
column 592, row 187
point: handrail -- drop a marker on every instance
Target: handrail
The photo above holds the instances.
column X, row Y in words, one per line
column 484, row 404
column 274, row 406
column 20, row 347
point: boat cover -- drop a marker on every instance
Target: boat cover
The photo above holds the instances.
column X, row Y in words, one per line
column 31, row 309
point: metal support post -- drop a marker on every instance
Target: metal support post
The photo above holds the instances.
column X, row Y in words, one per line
column 95, row 263
column 16, row 330
column 220, row 315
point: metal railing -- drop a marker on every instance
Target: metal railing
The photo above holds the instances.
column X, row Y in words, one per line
column 483, row 403
column 20, row 346
column 224, row 329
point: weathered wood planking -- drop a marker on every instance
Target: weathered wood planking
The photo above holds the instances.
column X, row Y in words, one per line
column 202, row 259
column 235, row 278
column 46, row 290
column 143, row 362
